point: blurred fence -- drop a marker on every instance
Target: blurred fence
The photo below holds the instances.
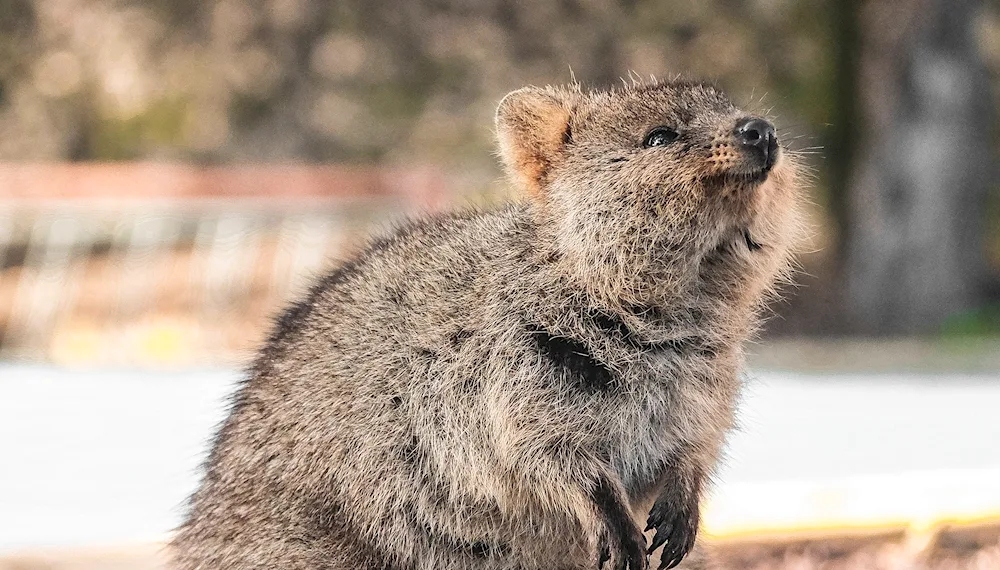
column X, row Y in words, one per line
column 160, row 264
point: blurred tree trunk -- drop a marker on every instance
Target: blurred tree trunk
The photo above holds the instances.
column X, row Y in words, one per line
column 915, row 241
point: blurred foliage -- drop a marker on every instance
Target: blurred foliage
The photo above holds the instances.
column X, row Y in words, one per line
column 374, row 80
column 382, row 81
column 379, row 80
column 983, row 321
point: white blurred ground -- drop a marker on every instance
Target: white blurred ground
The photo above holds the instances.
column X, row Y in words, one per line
column 107, row 457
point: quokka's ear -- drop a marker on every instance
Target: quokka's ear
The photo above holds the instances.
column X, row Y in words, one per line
column 533, row 129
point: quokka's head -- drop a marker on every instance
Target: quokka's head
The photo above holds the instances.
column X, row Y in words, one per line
column 653, row 187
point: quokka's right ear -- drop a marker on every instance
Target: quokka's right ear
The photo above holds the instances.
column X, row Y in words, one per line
column 533, row 127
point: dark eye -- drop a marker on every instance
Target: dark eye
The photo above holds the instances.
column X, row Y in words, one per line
column 660, row 136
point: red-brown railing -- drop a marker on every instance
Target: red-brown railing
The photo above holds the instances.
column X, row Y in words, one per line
column 175, row 264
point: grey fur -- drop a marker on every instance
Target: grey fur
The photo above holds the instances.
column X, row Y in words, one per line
column 505, row 389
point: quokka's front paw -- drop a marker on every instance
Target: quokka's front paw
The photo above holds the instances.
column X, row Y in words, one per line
column 624, row 550
column 676, row 524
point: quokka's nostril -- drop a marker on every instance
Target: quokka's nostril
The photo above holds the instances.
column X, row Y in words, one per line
column 759, row 134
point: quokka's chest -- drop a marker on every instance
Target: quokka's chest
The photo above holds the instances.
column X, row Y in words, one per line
column 665, row 406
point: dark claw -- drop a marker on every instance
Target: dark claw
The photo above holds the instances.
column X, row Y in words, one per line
column 671, row 563
column 676, row 528
column 633, row 557
column 630, row 553
column 636, row 556
column 658, row 540
column 672, row 557
column 620, row 539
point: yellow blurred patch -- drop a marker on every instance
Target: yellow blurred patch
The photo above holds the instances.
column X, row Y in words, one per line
column 164, row 340
column 77, row 342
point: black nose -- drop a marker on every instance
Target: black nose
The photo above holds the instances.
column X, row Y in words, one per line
column 758, row 134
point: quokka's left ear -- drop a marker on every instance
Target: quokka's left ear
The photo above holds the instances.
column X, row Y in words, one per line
column 533, row 127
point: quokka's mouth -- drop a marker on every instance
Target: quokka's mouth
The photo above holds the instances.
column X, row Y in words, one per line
column 752, row 245
column 736, row 241
column 751, row 176
column 744, row 176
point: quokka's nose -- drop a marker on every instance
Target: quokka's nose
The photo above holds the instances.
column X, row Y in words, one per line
column 758, row 134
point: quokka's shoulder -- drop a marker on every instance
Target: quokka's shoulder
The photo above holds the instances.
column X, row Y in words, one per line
column 406, row 253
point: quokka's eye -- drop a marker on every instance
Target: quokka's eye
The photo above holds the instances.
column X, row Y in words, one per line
column 660, row 136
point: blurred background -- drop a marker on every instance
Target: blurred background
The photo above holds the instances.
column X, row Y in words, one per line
column 173, row 171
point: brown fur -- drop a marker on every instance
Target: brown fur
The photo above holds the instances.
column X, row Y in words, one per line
column 518, row 388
